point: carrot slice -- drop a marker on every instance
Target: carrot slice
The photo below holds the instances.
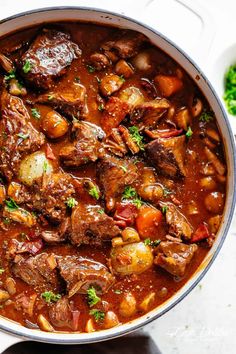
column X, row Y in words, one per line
column 148, row 220
column 168, row 85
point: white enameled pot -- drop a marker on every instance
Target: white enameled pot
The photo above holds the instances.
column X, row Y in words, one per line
column 12, row 331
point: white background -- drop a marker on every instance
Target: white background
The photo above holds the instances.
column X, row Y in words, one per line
column 205, row 321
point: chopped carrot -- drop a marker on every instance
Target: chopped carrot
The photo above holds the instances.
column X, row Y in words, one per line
column 201, row 233
column 148, row 220
column 168, row 85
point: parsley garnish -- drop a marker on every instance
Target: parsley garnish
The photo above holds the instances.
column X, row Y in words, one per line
column 122, row 78
column 27, row 67
column 117, row 291
column 45, row 166
column 94, row 192
column 6, row 221
column 98, row 80
column 23, row 136
column 123, row 168
column 50, row 97
column 149, row 242
column 101, row 107
column 49, row 296
column 35, row 113
column 206, row 117
column 11, row 75
column 164, row 209
column 97, row 314
column 11, row 204
column 166, row 192
column 71, row 202
column 92, row 297
column 136, row 137
column 1, row 271
column 189, row 132
column 91, row 69
column 230, row 90
column 101, row 211
column 130, row 193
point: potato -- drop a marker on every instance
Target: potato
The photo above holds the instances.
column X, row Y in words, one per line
column 33, row 167
column 131, row 95
column 128, row 305
column 142, row 61
column 54, row 125
column 147, row 302
column 214, row 202
column 133, row 258
column 110, row 320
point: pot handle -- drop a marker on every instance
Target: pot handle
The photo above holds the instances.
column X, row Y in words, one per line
column 8, row 340
column 186, row 22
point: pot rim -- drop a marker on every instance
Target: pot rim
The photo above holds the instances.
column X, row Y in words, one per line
column 75, row 338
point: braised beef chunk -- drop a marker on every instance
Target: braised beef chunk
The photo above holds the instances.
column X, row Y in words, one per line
column 47, row 58
column 147, row 114
column 58, row 233
column 18, row 137
column 82, row 273
column 61, row 314
column 90, row 226
column 25, row 303
column 114, row 174
column 114, row 112
column 174, row 257
column 167, row 155
column 178, row 224
column 85, row 146
column 127, row 45
column 38, row 271
column 71, row 102
column 51, row 195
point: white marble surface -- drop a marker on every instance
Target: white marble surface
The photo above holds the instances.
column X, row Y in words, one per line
column 205, row 321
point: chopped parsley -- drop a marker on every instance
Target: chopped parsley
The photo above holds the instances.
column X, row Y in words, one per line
column 23, row 136
column 117, row 291
column 11, row 75
column 101, row 211
column 92, row 297
column 35, row 113
column 6, row 221
column 101, row 107
column 166, row 192
column 1, row 270
column 27, row 67
column 136, row 137
column 230, row 90
column 77, row 79
column 164, row 209
column 123, row 168
column 97, row 314
column 189, row 132
column 11, row 204
column 130, row 193
column 45, row 166
column 149, row 242
column 122, row 78
column 50, row 97
column 71, row 202
column 94, row 192
column 49, row 296
column 90, row 69
column 98, row 80
column 206, row 117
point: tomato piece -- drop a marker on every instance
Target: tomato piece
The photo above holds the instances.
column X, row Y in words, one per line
column 201, row 233
column 148, row 220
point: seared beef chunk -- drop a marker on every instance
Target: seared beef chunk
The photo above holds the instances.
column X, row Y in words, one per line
column 82, row 273
column 147, row 114
column 47, row 58
column 59, row 234
column 127, row 45
column 174, row 257
column 62, row 315
column 25, row 303
column 38, row 271
column 167, row 155
column 17, row 247
column 71, row 102
column 178, row 224
column 91, row 227
column 18, row 137
column 85, row 146
column 114, row 175
column 51, row 194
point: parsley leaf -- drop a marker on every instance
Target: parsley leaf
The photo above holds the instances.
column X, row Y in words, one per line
column 71, row 202
column 101, row 211
column 27, row 67
column 164, row 209
column 1, row 271
column 35, row 113
column 11, row 75
column 49, row 296
column 11, row 204
column 230, row 90
column 130, row 193
column 136, row 137
column 206, row 117
column 123, row 168
column 101, row 107
column 122, row 78
column 149, row 242
column 94, row 192
column 45, row 166
column 91, row 69
column 189, row 132
column 97, row 314
column 92, row 297
column 23, row 136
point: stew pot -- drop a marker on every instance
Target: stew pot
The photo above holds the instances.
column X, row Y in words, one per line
column 15, row 23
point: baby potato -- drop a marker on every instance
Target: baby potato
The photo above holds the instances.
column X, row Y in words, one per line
column 133, row 258
column 214, row 202
column 54, row 125
column 128, row 305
